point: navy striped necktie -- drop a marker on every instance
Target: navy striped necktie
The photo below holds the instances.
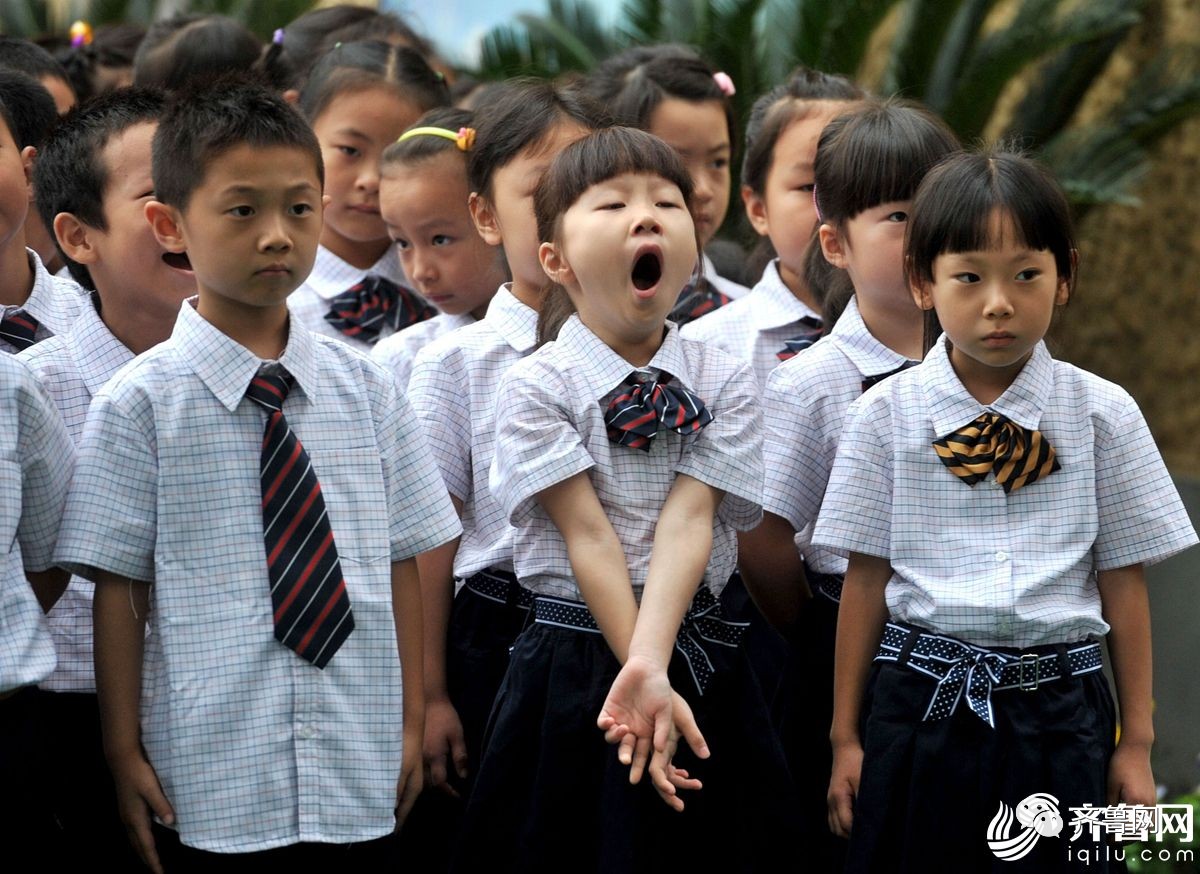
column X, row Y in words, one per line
column 640, row 409
column 19, row 330
column 698, row 298
column 876, row 378
column 308, row 593
column 366, row 308
column 810, row 334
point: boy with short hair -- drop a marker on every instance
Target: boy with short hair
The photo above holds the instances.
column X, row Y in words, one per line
column 270, row 484
column 91, row 184
column 34, row 304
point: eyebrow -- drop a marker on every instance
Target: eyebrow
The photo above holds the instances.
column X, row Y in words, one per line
column 352, row 132
column 254, row 189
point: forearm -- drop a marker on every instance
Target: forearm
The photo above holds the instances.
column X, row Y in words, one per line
column 436, row 569
column 861, row 617
column 603, row 580
column 120, row 609
column 773, row 570
column 1126, row 606
column 48, row 586
column 406, row 613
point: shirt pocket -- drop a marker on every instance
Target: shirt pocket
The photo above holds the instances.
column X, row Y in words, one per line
column 356, row 500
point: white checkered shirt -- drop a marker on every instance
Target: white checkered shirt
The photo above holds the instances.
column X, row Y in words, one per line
column 755, row 329
column 254, row 747
column 55, row 302
column 453, row 390
column 992, row 568
column 550, row 424
column 727, row 287
column 331, row 276
column 35, row 469
column 803, row 413
column 397, row 352
column 73, row 367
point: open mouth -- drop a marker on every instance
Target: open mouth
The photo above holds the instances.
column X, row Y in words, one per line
column 647, row 270
column 177, row 260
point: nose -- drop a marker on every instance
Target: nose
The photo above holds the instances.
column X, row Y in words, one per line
column 275, row 235
column 702, row 186
column 421, row 266
column 648, row 223
column 999, row 302
column 368, row 177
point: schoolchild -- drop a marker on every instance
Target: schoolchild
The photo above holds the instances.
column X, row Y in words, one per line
column 626, row 458
column 997, row 508
column 35, row 469
column 92, row 183
column 474, row 607
column 867, row 167
column 359, row 98
column 781, row 315
column 191, row 46
column 257, row 492
column 423, row 199
column 679, row 97
column 34, row 304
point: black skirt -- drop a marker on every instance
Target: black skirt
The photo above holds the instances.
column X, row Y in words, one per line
column 551, row 795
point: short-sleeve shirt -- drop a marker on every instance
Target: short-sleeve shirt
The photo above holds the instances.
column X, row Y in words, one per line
column 54, row 301
column 550, row 427
column 453, row 390
column 36, row 457
column 397, row 351
column 73, row 366
column 330, row 276
column 254, row 747
column 976, row 563
column 756, row 328
column 804, row 410
column 727, row 287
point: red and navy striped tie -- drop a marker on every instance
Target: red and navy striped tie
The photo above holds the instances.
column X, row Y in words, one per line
column 18, row 330
column 308, row 592
column 364, row 309
column 635, row 415
column 811, row 334
column 698, row 298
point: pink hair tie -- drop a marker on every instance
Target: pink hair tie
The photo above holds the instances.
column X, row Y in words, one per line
column 725, row 84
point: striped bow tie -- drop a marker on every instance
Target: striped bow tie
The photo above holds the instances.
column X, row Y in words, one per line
column 364, row 309
column 19, row 330
column 697, row 299
column 876, row 378
column 1016, row 456
column 811, row 334
column 635, row 415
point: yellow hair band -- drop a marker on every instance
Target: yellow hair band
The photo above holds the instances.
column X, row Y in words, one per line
column 464, row 139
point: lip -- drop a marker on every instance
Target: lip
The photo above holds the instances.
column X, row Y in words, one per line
column 998, row 339
column 277, row 269
column 641, row 251
column 365, row 209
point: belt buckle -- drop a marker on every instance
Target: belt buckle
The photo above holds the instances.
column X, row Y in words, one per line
column 1029, row 660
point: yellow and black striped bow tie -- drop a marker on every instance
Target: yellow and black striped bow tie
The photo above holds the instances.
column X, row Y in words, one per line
column 1017, row 456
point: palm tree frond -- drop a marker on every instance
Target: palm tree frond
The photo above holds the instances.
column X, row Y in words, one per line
column 914, row 53
column 848, row 32
column 960, row 38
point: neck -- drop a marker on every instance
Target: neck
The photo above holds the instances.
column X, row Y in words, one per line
column 16, row 273
column 479, row 312
column 528, row 294
column 798, row 287
column 636, row 349
column 137, row 327
column 262, row 330
column 901, row 327
column 354, row 253
column 984, row 383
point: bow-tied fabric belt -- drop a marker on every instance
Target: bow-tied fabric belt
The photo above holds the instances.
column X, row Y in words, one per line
column 829, row 585
column 500, row 586
column 974, row 672
column 703, row 627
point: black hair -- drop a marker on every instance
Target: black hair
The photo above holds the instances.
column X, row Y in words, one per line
column 27, row 108
column 522, row 114
column 422, row 147
column 306, row 40
column 357, row 66
column 185, row 47
column 112, row 48
column 70, row 176
column 634, row 83
column 204, row 121
column 596, row 158
column 31, row 59
column 953, row 209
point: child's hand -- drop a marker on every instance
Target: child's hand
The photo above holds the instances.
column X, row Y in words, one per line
column 668, row 779
column 138, row 796
column 843, row 787
column 444, row 745
column 1130, row 779
column 408, row 787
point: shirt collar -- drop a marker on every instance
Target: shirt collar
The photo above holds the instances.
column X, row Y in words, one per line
column 951, row 406
column 774, row 304
column 46, row 301
column 515, row 322
column 98, row 353
column 331, row 275
column 226, row 367
column 857, row 342
column 607, row 370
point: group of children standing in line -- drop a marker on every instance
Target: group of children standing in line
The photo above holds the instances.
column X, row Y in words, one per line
column 627, row 564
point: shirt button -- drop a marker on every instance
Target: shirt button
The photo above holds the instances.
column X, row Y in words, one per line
column 1001, row 556
column 307, row 732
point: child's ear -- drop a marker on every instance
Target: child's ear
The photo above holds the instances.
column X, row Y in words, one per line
column 28, row 156
column 554, row 264
column 75, row 239
column 485, row 218
column 832, row 246
column 756, row 210
column 164, row 221
column 1067, row 284
column 921, row 292
column 292, row 96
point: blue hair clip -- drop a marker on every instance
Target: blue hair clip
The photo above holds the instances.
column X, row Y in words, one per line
column 277, row 38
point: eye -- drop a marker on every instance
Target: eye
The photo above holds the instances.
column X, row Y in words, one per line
column 966, row 278
column 616, row 204
column 1029, row 274
column 807, row 187
column 349, row 151
column 442, row 240
column 668, row 204
column 898, row 216
column 301, row 209
column 720, row 163
column 400, row 244
column 241, row 211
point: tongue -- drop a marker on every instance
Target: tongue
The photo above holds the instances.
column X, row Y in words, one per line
column 646, row 272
